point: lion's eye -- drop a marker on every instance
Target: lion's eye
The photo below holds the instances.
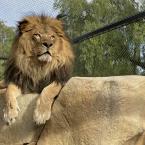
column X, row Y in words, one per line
column 36, row 36
column 52, row 37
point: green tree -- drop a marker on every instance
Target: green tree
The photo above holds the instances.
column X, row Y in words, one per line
column 114, row 53
column 6, row 38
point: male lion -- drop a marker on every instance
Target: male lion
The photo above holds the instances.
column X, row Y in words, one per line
column 40, row 61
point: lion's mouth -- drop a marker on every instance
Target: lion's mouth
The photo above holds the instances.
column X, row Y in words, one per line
column 45, row 57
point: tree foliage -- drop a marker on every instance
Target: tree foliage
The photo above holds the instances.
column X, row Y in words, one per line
column 6, row 38
column 119, row 52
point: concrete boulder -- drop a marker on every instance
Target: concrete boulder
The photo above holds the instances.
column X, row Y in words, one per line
column 88, row 111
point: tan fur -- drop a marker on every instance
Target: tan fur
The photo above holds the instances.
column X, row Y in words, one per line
column 12, row 108
column 34, row 68
column 41, row 59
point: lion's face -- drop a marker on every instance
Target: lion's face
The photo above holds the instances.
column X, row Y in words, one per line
column 41, row 52
column 41, row 37
column 43, row 43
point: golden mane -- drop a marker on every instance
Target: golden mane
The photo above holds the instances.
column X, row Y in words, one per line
column 24, row 69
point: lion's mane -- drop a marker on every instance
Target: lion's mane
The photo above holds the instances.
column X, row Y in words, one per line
column 28, row 73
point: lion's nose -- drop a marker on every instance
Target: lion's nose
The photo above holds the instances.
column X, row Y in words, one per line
column 47, row 44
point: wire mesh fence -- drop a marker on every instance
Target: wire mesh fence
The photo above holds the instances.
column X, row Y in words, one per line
column 117, row 48
column 117, row 52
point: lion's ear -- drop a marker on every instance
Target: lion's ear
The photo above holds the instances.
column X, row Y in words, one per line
column 24, row 26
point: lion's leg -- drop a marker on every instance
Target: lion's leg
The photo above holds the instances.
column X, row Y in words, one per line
column 44, row 103
column 11, row 106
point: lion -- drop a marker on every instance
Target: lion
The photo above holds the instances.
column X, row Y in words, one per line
column 41, row 61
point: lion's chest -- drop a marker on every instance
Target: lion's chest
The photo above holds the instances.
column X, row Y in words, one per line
column 35, row 81
column 32, row 80
column 29, row 86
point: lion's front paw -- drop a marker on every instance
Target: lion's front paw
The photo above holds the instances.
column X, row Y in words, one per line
column 10, row 114
column 42, row 113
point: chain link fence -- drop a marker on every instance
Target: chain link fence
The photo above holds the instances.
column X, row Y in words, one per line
column 115, row 49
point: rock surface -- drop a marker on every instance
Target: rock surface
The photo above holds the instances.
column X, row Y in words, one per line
column 88, row 111
column 24, row 129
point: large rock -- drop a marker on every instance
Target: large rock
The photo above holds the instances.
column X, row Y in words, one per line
column 98, row 111
column 88, row 111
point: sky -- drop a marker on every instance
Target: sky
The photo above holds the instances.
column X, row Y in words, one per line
column 12, row 11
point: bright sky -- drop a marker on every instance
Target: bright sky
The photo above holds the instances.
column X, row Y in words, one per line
column 12, row 11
